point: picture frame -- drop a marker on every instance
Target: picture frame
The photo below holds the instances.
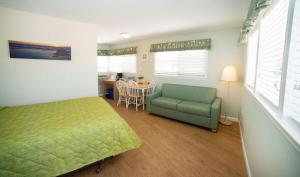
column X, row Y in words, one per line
column 31, row 50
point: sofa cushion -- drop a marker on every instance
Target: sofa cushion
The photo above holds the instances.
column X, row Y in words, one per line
column 191, row 107
column 189, row 93
column 165, row 102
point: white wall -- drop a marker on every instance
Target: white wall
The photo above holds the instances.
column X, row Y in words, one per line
column 268, row 150
column 26, row 81
column 225, row 50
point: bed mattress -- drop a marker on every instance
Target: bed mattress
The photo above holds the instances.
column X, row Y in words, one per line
column 54, row 138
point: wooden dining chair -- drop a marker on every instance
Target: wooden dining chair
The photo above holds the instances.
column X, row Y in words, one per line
column 151, row 88
column 133, row 95
column 122, row 89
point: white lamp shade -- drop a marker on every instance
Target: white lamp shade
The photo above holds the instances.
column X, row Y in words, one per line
column 229, row 74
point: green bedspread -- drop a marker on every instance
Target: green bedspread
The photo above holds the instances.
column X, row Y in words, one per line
column 51, row 139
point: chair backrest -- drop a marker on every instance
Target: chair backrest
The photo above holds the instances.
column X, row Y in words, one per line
column 122, row 79
column 132, row 89
column 190, row 93
column 122, row 87
column 151, row 88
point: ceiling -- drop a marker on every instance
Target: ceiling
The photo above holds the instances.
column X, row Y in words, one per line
column 141, row 18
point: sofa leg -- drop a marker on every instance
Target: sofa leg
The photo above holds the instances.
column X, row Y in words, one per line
column 214, row 130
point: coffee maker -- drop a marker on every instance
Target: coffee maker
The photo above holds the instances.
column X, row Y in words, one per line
column 119, row 76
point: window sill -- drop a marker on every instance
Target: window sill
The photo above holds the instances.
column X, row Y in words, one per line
column 289, row 127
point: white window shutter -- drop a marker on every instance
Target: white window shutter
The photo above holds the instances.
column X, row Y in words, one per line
column 117, row 63
column 292, row 97
column 102, row 64
column 271, row 49
column 182, row 63
column 252, row 48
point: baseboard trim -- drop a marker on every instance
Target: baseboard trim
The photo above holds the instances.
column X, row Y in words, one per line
column 244, row 152
column 233, row 119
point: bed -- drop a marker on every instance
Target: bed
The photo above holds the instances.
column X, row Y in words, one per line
column 52, row 139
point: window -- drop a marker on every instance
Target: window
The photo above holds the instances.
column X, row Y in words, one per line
column 277, row 82
column 292, row 97
column 102, row 64
column 271, row 50
column 191, row 63
column 118, row 63
column 252, row 58
column 122, row 63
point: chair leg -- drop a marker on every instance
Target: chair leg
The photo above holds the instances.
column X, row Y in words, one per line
column 119, row 100
column 127, row 102
column 143, row 102
column 136, row 104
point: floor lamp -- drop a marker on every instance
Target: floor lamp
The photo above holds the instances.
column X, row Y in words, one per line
column 229, row 75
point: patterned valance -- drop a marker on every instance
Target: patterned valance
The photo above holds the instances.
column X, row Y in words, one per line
column 102, row 52
column 181, row 45
column 123, row 51
column 254, row 12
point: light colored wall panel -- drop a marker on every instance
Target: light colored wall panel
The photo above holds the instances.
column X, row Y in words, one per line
column 26, row 81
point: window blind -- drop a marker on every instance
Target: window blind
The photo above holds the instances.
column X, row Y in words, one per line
column 102, row 64
column 117, row 63
column 271, row 48
column 252, row 48
column 122, row 63
column 292, row 98
column 182, row 63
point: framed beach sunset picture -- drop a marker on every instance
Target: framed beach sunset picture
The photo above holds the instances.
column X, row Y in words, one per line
column 30, row 50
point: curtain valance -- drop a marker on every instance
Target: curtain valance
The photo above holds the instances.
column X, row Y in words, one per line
column 123, row 51
column 256, row 6
column 181, row 45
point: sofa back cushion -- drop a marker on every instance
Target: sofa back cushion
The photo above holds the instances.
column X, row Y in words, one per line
column 189, row 93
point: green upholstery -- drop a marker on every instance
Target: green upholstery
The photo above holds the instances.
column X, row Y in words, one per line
column 215, row 113
column 150, row 98
column 166, row 102
column 189, row 93
column 191, row 104
column 181, row 116
column 192, row 107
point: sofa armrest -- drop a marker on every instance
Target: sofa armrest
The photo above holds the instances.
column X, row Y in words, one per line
column 151, row 97
column 215, row 113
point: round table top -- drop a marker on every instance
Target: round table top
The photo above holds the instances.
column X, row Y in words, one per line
column 143, row 85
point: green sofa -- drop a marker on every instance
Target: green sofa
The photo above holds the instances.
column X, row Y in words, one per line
column 191, row 104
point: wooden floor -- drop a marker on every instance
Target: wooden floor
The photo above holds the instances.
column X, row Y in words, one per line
column 173, row 149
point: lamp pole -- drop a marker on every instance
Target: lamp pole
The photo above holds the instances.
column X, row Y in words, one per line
column 225, row 121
